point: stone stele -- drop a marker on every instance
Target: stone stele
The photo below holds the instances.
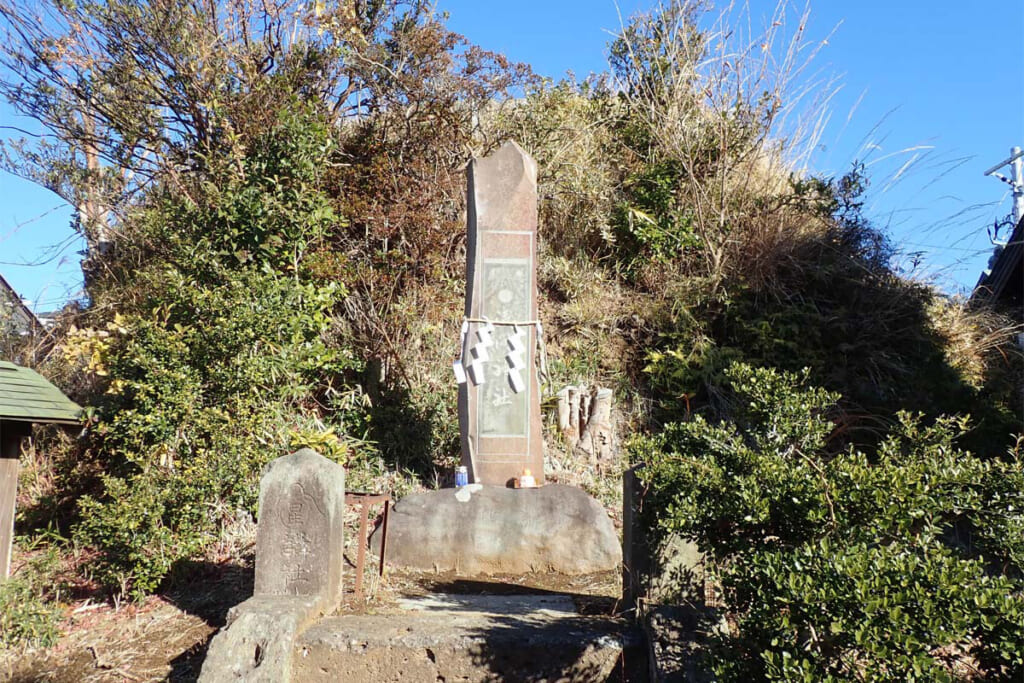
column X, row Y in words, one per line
column 299, row 547
column 501, row 427
column 299, row 538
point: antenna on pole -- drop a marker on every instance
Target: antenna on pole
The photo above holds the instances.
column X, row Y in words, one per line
column 1016, row 182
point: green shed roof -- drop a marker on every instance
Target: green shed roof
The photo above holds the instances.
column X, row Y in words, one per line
column 25, row 395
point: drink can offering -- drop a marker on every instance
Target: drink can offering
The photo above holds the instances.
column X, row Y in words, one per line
column 461, row 476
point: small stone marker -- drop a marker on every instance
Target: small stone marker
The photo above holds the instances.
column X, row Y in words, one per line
column 299, row 537
column 299, row 547
column 499, row 405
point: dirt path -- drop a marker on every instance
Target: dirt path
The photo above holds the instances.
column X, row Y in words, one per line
column 162, row 638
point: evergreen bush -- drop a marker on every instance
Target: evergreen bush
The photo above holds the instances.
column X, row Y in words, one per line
column 902, row 564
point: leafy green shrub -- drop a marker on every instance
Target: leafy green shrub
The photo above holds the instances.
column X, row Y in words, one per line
column 270, row 211
column 29, row 613
column 649, row 222
column 223, row 354
column 843, row 565
column 194, row 409
column 834, row 610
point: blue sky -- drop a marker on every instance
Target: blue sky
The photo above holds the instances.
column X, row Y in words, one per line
column 943, row 79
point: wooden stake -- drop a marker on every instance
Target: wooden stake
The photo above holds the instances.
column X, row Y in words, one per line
column 11, row 434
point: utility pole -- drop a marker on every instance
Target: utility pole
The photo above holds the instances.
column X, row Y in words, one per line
column 1016, row 182
column 1008, row 248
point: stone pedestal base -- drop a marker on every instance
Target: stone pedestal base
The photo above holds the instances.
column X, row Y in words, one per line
column 470, row 638
column 497, row 530
column 256, row 643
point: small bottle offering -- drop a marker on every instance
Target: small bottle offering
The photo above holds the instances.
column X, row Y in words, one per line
column 526, row 481
column 461, row 477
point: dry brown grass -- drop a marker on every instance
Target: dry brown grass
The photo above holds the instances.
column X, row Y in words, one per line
column 739, row 106
column 977, row 340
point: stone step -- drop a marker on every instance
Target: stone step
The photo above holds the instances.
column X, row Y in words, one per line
column 444, row 637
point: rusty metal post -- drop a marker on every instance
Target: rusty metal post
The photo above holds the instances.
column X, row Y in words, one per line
column 364, row 514
column 365, row 500
column 384, row 536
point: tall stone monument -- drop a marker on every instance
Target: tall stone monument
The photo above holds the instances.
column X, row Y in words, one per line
column 499, row 403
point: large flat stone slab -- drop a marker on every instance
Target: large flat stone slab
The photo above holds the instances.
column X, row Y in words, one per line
column 541, row 607
column 468, row 638
column 497, row 530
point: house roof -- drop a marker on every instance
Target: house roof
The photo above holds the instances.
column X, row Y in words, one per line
column 26, row 396
column 29, row 321
column 1005, row 282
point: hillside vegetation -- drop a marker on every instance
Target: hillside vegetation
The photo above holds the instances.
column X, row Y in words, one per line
column 272, row 196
